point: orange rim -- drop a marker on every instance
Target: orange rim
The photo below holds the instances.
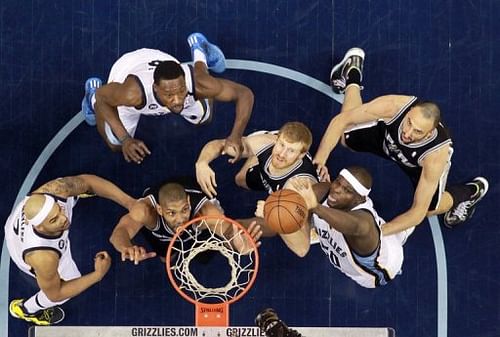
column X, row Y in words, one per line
column 173, row 279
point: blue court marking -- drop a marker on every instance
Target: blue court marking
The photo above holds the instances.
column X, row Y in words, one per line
column 442, row 307
column 442, row 277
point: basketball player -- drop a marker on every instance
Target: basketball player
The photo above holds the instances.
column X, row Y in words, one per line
column 274, row 160
column 158, row 215
column 151, row 82
column 407, row 131
column 349, row 228
column 36, row 234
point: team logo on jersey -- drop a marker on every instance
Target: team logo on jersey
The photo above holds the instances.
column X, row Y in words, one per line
column 153, row 106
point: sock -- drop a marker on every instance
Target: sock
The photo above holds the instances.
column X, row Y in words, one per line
column 353, row 77
column 38, row 302
column 461, row 193
column 199, row 56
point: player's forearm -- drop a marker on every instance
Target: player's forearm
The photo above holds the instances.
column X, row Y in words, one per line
column 339, row 220
column 72, row 288
column 329, row 141
column 110, row 115
column 120, row 239
column 108, row 190
column 210, row 151
column 409, row 219
column 244, row 106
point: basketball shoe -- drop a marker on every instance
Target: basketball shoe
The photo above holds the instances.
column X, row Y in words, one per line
column 216, row 61
column 49, row 316
column 465, row 209
column 348, row 71
column 88, row 112
column 269, row 323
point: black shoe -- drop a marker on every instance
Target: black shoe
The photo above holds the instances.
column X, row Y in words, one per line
column 465, row 209
column 49, row 316
column 352, row 61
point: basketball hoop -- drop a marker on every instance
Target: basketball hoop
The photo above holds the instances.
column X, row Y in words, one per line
column 212, row 303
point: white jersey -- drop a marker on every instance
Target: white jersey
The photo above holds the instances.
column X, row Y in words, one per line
column 372, row 272
column 141, row 64
column 22, row 238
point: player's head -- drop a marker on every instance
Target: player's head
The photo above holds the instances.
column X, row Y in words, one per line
column 170, row 85
column 294, row 140
column 350, row 188
column 420, row 122
column 45, row 214
column 174, row 204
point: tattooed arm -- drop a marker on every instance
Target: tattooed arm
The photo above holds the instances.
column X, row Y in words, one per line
column 86, row 184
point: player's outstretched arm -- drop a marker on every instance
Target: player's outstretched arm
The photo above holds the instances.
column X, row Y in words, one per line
column 432, row 168
column 126, row 229
column 205, row 176
column 108, row 98
column 228, row 91
column 45, row 265
column 383, row 107
column 86, row 184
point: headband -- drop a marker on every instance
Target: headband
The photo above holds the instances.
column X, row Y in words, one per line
column 358, row 187
column 44, row 212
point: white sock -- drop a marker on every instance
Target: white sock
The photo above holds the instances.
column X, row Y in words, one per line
column 39, row 301
column 199, row 56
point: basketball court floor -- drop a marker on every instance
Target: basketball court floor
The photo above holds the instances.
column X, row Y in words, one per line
column 447, row 52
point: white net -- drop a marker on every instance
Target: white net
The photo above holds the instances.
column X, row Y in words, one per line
column 225, row 237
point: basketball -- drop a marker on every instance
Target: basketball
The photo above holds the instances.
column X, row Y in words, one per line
column 285, row 211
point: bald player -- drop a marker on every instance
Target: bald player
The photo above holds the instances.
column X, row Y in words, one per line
column 36, row 234
column 407, row 131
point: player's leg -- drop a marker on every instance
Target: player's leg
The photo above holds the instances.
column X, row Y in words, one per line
column 39, row 309
column 205, row 55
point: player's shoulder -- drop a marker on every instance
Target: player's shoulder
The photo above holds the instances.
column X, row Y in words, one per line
column 141, row 209
column 42, row 260
column 260, row 139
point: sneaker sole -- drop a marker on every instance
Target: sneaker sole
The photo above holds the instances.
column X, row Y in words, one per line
column 351, row 52
column 486, row 187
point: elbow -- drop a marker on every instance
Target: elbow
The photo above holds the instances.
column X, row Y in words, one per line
column 246, row 95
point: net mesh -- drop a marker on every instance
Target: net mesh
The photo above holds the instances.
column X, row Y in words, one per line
column 243, row 261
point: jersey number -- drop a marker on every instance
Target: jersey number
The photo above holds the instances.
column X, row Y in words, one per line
column 334, row 259
column 16, row 227
column 154, row 63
